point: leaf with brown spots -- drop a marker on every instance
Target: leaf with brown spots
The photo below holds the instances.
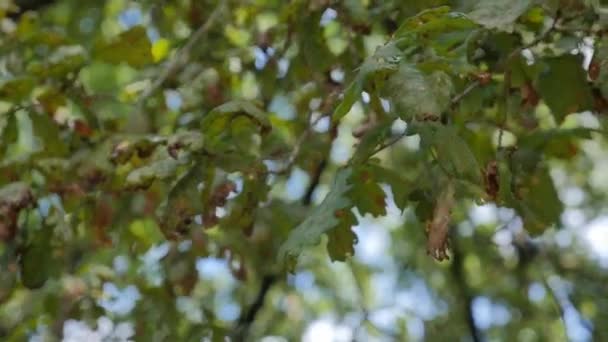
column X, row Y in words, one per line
column 366, row 194
column 14, row 197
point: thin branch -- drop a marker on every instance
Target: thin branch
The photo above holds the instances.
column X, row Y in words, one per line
column 507, row 76
column 456, row 99
column 562, row 301
column 457, row 269
column 321, row 166
column 557, row 301
column 540, row 38
column 387, row 144
column 181, row 56
column 248, row 316
column 297, row 147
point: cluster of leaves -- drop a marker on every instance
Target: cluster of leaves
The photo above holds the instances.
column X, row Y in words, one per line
column 94, row 155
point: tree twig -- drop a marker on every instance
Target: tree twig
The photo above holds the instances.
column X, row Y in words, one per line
column 456, row 99
column 387, row 144
column 457, row 269
column 180, row 57
column 507, row 75
column 248, row 316
column 318, row 172
column 298, row 146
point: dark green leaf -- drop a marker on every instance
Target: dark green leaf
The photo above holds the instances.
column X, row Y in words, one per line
column 48, row 133
column 185, row 199
column 341, row 240
column 557, row 72
column 455, row 156
column 36, row 260
column 16, row 89
column 220, row 118
column 539, row 204
column 321, row 220
column 401, row 186
column 365, row 192
column 132, row 47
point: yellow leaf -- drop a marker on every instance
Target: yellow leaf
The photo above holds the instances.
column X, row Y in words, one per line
column 160, row 49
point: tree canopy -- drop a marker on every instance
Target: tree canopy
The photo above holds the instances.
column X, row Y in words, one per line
column 309, row 169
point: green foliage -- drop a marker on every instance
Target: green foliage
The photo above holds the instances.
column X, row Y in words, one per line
column 558, row 71
column 142, row 140
column 325, row 217
column 485, row 13
column 132, row 47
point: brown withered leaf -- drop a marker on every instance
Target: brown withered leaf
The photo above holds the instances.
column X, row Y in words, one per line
column 437, row 244
column 594, row 69
column 529, row 95
column 484, row 78
column 491, row 180
column 217, row 200
column 13, row 198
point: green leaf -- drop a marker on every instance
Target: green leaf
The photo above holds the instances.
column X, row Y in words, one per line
column 16, row 89
column 417, row 95
column 455, row 156
column 157, row 170
column 313, row 47
column 245, row 206
column 341, row 240
column 414, row 23
column 132, row 47
column 371, row 140
column 37, row 261
column 220, row 118
column 557, row 73
column 401, row 187
column 499, row 14
column 365, row 192
column 431, row 22
column 559, row 143
column 539, row 204
column 185, row 200
column 505, row 183
column 321, row 220
column 48, row 133
column 8, row 131
column 385, row 59
column 64, row 60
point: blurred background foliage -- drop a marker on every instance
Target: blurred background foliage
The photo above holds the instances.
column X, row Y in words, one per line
column 311, row 170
